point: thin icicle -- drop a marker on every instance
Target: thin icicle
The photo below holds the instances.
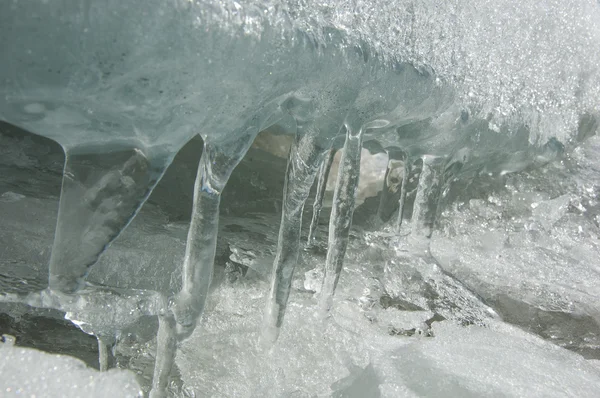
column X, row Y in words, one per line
column 406, row 170
column 392, row 183
column 426, row 199
column 303, row 163
column 166, row 348
column 102, row 354
column 320, row 194
column 341, row 215
column 216, row 165
column 101, row 193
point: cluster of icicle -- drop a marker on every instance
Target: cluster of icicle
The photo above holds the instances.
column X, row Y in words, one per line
column 125, row 85
column 320, row 127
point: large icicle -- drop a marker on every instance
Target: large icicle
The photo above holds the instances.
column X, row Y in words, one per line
column 320, row 194
column 341, row 214
column 101, row 193
column 216, row 165
column 305, row 157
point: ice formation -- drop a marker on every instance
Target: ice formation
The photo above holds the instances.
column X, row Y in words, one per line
column 27, row 372
column 449, row 90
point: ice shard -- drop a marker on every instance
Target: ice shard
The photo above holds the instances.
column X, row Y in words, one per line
column 322, row 178
column 101, row 193
column 102, row 354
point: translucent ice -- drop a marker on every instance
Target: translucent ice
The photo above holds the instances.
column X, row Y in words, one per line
column 320, row 194
column 29, row 372
column 463, row 90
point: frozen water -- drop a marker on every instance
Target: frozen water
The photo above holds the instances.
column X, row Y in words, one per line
column 29, row 372
column 306, row 156
column 216, row 165
column 485, row 113
column 387, row 336
column 358, row 353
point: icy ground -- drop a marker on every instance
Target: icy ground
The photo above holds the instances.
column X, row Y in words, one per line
column 505, row 303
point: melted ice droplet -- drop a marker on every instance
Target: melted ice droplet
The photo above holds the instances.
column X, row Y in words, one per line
column 320, row 194
column 303, row 163
column 216, row 165
column 426, row 199
column 101, row 193
column 341, row 215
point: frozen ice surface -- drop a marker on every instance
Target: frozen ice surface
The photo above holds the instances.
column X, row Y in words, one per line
column 32, row 373
column 492, row 361
column 356, row 356
column 486, row 112
column 530, row 249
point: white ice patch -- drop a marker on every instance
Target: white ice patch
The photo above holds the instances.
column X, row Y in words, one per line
column 32, row 373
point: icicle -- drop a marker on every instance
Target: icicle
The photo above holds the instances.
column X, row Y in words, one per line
column 102, row 354
column 101, row 193
column 406, row 170
column 392, row 184
column 320, row 194
column 216, row 165
column 341, row 215
column 426, row 199
column 166, row 347
column 303, row 163
column 106, row 350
